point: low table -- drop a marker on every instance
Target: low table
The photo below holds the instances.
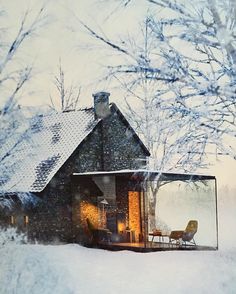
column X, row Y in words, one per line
column 158, row 233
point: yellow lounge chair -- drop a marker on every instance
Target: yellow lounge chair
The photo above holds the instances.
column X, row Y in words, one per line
column 185, row 236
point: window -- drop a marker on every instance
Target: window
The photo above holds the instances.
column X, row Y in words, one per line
column 12, row 220
column 26, row 220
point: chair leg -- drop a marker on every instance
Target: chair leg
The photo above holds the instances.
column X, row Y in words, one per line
column 152, row 239
column 180, row 242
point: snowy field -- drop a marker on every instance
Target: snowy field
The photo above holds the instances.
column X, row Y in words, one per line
column 72, row 269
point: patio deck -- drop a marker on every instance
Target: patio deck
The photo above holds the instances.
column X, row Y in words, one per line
column 151, row 247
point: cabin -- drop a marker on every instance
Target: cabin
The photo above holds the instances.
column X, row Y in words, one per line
column 87, row 171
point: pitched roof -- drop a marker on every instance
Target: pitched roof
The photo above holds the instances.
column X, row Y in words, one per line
column 53, row 139
column 50, row 142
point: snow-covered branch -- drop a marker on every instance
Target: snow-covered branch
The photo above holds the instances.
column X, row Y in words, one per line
column 14, row 75
column 184, row 69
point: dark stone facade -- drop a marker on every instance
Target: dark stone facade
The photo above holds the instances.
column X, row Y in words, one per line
column 121, row 148
column 112, row 145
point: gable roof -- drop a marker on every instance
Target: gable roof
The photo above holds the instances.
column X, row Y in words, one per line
column 53, row 138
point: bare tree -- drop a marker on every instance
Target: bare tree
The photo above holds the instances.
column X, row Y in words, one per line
column 189, row 59
column 170, row 134
column 68, row 96
column 13, row 77
column 179, row 82
column 204, row 74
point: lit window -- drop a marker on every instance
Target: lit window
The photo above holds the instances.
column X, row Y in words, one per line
column 26, row 220
column 12, row 220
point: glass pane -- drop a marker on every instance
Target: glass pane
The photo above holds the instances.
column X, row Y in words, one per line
column 173, row 204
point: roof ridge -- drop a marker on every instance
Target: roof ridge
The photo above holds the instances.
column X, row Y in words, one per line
column 43, row 115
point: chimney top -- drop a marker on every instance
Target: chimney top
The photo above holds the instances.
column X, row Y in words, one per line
column 101, row 104
column 101, row 95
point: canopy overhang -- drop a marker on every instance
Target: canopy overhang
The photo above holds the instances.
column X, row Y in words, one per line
column 141, row 174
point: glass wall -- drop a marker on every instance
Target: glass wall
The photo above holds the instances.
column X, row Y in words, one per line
column 136, row 211
column 172, row 204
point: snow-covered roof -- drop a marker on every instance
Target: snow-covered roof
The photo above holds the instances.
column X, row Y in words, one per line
column 148, row 173
column 52, row 140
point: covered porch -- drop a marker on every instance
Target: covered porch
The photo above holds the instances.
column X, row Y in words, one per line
column 144, row 210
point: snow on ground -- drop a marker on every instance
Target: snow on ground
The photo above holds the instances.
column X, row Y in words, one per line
column 66, row 269
column 72, row 269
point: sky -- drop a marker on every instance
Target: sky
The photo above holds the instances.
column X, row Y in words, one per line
column 63, row 38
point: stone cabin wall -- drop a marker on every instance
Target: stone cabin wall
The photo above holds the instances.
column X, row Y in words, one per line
column 110, row 146
column 52, row 219
column 121, row 149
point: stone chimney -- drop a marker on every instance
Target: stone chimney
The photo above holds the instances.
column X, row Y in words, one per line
column 101, row 104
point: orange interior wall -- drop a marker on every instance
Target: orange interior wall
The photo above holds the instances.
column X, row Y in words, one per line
column 134, row 213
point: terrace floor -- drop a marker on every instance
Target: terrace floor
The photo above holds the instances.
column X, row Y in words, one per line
column 150, row 247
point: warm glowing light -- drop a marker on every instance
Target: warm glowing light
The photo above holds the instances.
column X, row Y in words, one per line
column 26, row 220
column 12, row 220
column 90, row 211
column 121, row 226
column 134, row 214
column 102, row 214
